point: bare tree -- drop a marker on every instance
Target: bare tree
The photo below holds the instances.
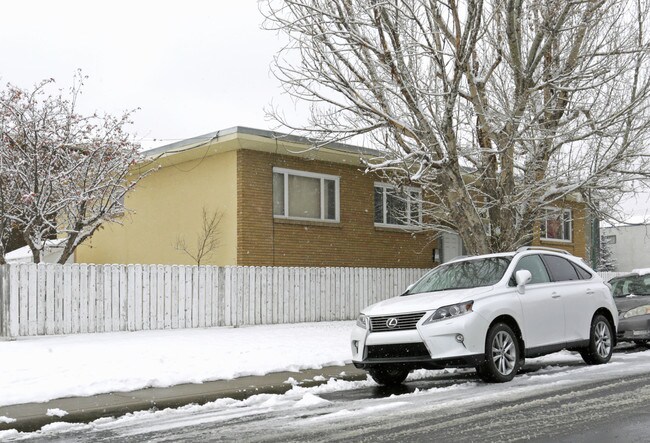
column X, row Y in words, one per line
column 9, row 198
column 62, row 174
column 496, row 108
column 207, row 239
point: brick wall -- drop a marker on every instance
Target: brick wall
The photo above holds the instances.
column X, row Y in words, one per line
column 355, row 241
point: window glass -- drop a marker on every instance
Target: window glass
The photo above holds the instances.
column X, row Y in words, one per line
column 534, row 264
column 330, row 199
column 583, row 273
column 278, row 194
column 394, row 207
column 416, row 206
column 379, row 204
column 463, row 274
column 566, row 231
column 304, row 197
column 628, row 285
column 557, row 224
column 560, row 268
column 609, row 239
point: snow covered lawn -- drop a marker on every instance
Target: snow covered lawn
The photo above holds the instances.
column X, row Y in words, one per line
column 37, row 369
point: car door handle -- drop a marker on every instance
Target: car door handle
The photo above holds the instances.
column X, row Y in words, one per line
column 590, row 292
column 555, row 295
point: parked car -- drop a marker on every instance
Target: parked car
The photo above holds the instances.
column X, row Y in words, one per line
column 489, row 312
column 632, row 297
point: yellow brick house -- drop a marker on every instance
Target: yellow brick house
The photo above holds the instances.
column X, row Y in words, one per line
column 282, row 204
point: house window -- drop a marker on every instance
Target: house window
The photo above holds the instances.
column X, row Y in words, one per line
column 305, row 195
column 395, row 207
column 609, row 239
column 557, row 225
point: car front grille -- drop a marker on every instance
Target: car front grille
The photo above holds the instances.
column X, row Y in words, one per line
column 398, row 322
column 402, row 350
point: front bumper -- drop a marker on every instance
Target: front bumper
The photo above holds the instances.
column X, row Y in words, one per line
column 432, row 346
column 633, row 328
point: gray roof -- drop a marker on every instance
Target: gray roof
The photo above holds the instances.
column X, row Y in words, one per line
column 206, row 138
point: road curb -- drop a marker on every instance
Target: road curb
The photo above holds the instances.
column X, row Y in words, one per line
column 31, row 417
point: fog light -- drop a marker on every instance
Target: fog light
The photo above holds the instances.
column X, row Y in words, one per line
column 355, row 343
column 460, row 338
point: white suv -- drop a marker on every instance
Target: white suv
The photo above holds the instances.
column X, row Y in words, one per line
column 490, row 312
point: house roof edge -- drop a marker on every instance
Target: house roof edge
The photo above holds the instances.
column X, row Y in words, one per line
column 199, row 140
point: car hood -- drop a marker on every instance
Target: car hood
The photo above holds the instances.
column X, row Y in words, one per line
column 425, row 301
column 624, row 304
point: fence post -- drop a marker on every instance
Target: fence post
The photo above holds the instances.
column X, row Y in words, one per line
column 3, row 304
column 5, row 329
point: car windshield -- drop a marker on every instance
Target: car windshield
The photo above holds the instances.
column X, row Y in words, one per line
column 462, row 274
column 630, row 285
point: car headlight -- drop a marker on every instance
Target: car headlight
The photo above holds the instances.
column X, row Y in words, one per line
column 639, row 310
column 450, row 311
column 362, row 321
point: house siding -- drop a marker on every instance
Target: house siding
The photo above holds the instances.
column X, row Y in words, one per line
column 632, row 247
column 354, row 241
column 168, row 204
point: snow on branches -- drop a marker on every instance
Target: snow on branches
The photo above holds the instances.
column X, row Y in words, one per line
column 62, row 174
column 496, row 108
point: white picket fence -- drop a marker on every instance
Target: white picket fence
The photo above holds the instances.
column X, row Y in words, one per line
column 608, row 275
column 50, row 299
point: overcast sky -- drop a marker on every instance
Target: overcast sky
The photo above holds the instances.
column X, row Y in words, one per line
column 191, row 66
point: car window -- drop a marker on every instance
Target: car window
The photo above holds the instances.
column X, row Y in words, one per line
column 630, row 285
column 638, row 286
column 621, row 286
column 617, row 287
column 582, row 273
column 463, row 274
column 560, row 268
column 535, row 266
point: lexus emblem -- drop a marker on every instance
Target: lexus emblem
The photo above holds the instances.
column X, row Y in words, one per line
column 391, row 323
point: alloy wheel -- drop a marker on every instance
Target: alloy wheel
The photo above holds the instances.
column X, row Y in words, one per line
column 503, row 353
column 603, row 339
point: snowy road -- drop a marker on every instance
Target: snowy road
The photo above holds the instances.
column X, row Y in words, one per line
column 556, row 398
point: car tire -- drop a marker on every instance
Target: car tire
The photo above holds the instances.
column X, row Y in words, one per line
column 389, row 375
column 600, row 346
column 502, row 355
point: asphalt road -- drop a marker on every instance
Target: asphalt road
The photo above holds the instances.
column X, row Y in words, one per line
column 575, row 403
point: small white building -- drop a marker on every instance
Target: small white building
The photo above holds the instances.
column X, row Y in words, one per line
column 629, row 244
column 51, row 254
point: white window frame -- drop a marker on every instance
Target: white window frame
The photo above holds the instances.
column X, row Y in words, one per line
column 545, row 221
column 409, row 224
column 337, row 195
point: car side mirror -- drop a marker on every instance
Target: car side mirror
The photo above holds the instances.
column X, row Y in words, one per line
column 522, row 277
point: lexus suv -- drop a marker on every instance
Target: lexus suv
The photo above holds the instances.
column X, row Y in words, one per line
column 488, row 312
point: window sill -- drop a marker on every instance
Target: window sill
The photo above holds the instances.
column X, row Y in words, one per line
column 397, row 228
column 555, row 240
column 295, row 221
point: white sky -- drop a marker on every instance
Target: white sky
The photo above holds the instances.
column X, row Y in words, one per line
column 191, row 66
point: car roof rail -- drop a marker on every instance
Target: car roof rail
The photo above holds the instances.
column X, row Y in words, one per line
column 458, row 257
column 542, row 248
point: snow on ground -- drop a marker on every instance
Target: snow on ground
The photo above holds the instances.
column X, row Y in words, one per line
column 37, row 369
column 43, row 368
column 309, row 408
